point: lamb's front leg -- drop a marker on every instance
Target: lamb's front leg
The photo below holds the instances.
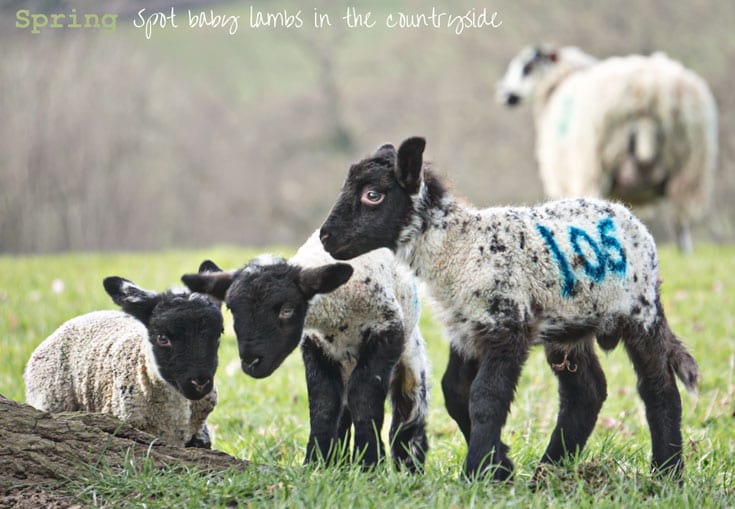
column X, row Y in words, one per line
column 325, row 389
column 368, row 388
column 491, row 394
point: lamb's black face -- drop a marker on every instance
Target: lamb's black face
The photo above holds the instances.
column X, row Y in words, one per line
column 184, row 332
column 269, row 311
column 375, row 203
column 183, row 329
column 269, row 305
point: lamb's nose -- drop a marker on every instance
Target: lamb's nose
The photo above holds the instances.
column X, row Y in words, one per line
column 201, row 383
column 323, row 236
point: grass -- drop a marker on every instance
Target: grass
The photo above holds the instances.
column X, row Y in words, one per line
column 266, row 421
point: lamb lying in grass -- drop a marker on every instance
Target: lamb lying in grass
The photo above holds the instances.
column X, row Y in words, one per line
column 360, row 343
column 152, row 365
column 562, row 274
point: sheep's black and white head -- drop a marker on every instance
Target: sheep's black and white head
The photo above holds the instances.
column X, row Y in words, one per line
column 269, row 299
column 184, row 331
column 523, row 74
column 376, row 202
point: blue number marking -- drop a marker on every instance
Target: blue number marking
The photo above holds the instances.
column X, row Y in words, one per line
column 597, row 271
column 566, row 271
column 611, row 256
column 610, row 242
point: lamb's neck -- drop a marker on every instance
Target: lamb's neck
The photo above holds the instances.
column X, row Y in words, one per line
column 438, row 220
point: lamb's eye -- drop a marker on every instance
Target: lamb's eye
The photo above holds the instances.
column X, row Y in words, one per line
column 527, row 68
column 163, row 341
column 286, row 312
column 372, row 197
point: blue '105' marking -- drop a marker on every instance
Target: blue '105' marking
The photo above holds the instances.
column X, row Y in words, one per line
column 609, row 255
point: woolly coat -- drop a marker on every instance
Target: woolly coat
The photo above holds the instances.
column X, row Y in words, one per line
column 102, row 362
column 565, row 266
column 379, row 294
column 585, row 111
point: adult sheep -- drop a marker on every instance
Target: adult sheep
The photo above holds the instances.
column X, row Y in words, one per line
column 634, row 128
column 152, row 365
column 360, row 342
column 561, row 274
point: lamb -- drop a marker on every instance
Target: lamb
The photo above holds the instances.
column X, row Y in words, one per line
column 505, row 278
column 359, row 343
column 152, row 365
column 639, row 129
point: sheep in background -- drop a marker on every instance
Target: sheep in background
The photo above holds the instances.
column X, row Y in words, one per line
column 152, row 365
column 360, row 343
column 563, row 274
column 635, row 128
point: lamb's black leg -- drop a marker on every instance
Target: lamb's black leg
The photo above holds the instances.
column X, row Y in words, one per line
column 409, row 400
column 582, row 391
column 490, row 397
column 368, row 388
column 657, row 387
column 200, row 439
column 325, row 389
column 456, row 384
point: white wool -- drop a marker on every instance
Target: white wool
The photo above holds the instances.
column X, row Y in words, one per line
column 103, row 362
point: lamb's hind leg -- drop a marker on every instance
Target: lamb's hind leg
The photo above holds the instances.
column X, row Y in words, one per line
column 409, row 400
column 582, row 391
column 649, row 352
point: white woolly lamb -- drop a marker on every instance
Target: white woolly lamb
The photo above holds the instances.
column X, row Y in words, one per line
column 360, row 343
column 634, row 128
column 152, row 366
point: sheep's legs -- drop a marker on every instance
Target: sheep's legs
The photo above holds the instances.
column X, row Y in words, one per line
column 657, row 388
column 325, row 388
column 456, row 384
column 408, row 394
column 368, row 388
column 491, row 394
column 582, row 391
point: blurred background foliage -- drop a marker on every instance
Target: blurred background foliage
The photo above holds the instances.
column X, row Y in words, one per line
column 111, row 141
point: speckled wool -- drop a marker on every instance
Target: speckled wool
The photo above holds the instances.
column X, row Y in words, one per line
column 379, row 293
column 557, row 266
column 102, row 362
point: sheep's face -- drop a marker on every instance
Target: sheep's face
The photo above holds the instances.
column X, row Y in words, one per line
column 269, row 299
column 269, row 305
column 523, row 74
column 376, row 201
column 184, row 333
column 183, row 330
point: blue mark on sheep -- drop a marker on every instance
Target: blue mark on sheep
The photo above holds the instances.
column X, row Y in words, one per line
column 609, row 255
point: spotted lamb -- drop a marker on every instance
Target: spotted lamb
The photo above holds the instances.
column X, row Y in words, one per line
column 359, row 343
column 152, row 365
column 561, row 274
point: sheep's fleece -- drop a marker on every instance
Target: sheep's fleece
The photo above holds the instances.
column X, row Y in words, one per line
column 102, row 362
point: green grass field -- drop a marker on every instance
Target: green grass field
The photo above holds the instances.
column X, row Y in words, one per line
column 266, row 421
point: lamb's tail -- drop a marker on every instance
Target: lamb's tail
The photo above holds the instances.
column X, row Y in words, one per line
column 680, row 360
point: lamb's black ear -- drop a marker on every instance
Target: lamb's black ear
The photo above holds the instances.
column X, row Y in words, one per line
column 386, row 150
column 213, row 283
column 133, row 299
column 324, row 279
column 409, row 163
column 209, row 266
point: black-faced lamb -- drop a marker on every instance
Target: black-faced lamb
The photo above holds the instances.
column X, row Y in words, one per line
column 636, row 128
column 152, row 365
column 561, row 274
column 360, row 343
